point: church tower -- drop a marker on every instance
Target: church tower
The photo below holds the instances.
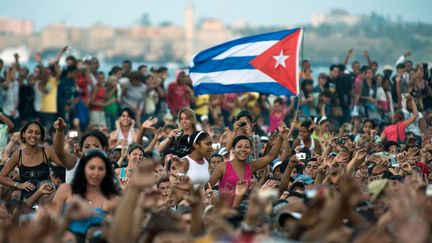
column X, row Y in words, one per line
column 189, row 27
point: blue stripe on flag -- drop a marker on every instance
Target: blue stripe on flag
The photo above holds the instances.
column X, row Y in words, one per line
column 264, row 88
column 214, row 51
column 229, row 63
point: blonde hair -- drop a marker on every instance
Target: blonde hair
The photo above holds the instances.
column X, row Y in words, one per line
column 190, row 114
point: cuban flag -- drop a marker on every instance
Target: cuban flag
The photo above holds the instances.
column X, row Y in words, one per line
column 265, row 63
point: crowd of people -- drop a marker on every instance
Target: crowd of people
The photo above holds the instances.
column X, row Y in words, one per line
column 125, row 156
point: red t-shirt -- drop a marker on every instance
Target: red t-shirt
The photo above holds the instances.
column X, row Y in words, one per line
column 391, row 132
column 177, row 97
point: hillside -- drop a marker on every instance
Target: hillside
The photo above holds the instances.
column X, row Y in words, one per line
column 385, row 39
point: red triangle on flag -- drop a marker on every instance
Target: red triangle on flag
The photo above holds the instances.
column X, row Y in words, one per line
column 280, row 61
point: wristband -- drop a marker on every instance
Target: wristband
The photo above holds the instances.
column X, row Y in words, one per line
column 16, row 184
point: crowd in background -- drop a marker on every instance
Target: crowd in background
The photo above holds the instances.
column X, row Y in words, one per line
column 130, row 156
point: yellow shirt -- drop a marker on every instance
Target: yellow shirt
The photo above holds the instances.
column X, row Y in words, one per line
column 49, row 99
column 254, row 96
column 202, row 109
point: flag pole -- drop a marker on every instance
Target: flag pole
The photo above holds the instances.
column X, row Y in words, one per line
column 301, row 62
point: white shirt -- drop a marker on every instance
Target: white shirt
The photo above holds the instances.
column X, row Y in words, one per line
column 70, row 173
column 199, row 173
column 38, row 96
column 414, row 127
column 10, row 102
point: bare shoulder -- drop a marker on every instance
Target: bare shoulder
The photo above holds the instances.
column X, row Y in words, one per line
column 64, row 188
column 221, row 167
column 112, row 203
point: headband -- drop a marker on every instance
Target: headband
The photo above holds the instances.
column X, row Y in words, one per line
column 196, row 137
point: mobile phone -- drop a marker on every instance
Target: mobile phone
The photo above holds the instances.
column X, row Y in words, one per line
column 311, row 193
column 216, row 146
column 301, row 156
column 340, row 141
column 73, row 134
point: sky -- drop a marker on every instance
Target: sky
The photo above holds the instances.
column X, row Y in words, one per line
column 84, row 13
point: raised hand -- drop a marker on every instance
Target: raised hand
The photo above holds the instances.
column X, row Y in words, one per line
column 241, row 188
column 183, row 182
column 145, row 176
column 269, row 184
column 366, row 53
column 407, row 54
column 350, row 52
column 150, row 122
column 360, row 155
column 341, row 157
column 60, row 125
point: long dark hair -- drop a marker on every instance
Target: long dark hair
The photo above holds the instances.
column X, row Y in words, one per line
column 79, row 182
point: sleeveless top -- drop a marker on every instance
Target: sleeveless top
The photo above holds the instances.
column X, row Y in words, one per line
column 129, row 137
column 33, row 174
column 199, row 173
column 100, row 97
column 312, row 145
column 229, row 181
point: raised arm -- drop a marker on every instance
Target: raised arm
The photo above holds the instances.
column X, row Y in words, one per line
column 69, row 160
column 265, row 160
column 60, row 54
column 287, row 174
column 17, row 63
column 147, row 124
column 7, row 121
column 401, row 59
column 366, row 55
column 122, row 227
column 156, row 137
column 414, row 116
column 347, row 57
column 170, row 139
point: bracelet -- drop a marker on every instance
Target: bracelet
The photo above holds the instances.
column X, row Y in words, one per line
column 16, row 184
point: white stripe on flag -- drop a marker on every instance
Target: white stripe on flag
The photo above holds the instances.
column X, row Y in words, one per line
column 231, row 77
column 249, row 49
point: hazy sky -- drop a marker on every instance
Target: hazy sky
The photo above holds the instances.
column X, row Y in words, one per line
column 257, row 12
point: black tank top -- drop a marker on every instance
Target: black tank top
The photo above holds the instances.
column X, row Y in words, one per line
column 33, row 174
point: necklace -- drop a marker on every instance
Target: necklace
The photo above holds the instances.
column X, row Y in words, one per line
column 31, row 156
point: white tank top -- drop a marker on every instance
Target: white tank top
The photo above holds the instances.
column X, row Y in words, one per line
column 198, row 173
column 129, row 138
column 70, row 173
column 312, row 146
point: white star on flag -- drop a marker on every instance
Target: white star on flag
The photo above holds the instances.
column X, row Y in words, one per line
column 280, row 60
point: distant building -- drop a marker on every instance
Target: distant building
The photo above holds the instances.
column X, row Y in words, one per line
column 336, row 16
column 212, row 32
column 55, row 36
column 15, row 26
